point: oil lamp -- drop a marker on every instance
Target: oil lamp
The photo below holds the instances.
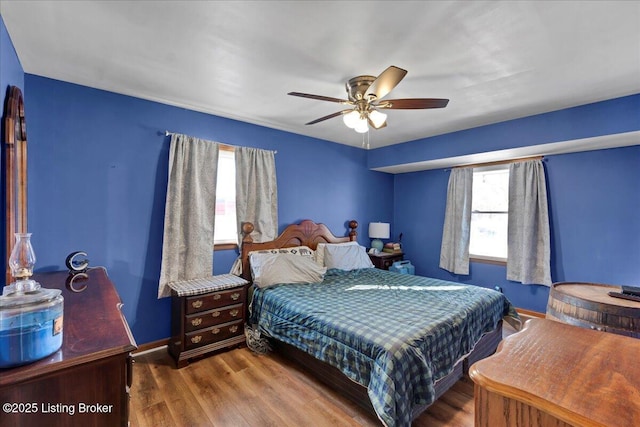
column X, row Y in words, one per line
column 21, row 262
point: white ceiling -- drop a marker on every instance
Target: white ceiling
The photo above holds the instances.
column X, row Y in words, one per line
column 494, row 60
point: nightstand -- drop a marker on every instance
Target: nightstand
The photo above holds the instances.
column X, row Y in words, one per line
column 207, row 315
column 384, row 260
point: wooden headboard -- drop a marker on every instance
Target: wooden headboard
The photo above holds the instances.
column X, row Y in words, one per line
column 306, row 233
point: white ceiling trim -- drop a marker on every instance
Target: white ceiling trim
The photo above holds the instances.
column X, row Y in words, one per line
column 573, row 146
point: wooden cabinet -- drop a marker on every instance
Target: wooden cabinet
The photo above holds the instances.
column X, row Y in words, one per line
column 86, row 382
column 555, row 374
column 589, row 305
column 207, row 322
column 384, row 260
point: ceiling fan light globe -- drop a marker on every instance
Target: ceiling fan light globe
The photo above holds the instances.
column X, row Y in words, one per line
column 377, row 118
column 351, row 119
column 362, row 126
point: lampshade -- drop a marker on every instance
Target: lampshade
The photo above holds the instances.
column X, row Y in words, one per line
column 377, row 118
column 351, row 119
column 362, row 126
column 379, row 230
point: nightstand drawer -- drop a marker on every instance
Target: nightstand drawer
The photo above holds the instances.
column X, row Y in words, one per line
column 212, row 317
column 385, row 260
column 214, row 334
column 213, row 300
column 386, row 263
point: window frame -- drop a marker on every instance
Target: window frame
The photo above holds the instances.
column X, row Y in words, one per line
column 489, row 259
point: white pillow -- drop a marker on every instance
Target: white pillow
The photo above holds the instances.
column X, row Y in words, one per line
column 321, row 246
column 271, row 269
column 346, row 257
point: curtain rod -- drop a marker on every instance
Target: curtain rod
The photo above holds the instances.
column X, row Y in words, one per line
column 497, row 162
column 223, row 145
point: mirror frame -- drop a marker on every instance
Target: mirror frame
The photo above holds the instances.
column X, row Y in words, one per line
column 15, row 129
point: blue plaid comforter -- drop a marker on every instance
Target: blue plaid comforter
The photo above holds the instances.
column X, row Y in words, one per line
column 395, row 334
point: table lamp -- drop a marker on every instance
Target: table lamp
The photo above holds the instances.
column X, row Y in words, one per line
column 377, row 231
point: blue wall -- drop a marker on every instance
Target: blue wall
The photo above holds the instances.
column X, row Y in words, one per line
column 98, row 175
column 594, row 200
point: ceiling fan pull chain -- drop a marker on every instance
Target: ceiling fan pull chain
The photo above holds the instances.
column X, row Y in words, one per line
column 363, row 141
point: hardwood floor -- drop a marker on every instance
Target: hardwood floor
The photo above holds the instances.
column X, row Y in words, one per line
column 240, row 388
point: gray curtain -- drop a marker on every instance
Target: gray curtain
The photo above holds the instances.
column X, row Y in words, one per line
column 187, row 247
column 454, row 252
column 256, row 193
column 529, row 250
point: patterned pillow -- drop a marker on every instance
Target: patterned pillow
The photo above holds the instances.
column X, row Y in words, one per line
column 295, row 250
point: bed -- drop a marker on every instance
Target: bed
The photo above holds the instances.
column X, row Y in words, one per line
column 392, row 343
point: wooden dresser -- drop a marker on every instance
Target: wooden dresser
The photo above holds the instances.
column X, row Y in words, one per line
column 86, row 382
column 589, row 305
column 555, row 374
column 207, row 322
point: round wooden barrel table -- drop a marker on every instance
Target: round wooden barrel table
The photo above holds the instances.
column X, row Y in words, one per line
column 589, row 305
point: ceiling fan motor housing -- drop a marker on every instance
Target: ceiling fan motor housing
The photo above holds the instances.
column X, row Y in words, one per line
column 357, row 86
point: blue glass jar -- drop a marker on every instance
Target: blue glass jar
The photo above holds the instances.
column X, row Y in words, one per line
column 31, row 323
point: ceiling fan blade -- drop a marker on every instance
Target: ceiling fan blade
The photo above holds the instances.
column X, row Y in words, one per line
column 413, row 103
column 385, row 82
column 330, row 116
column 320, row 97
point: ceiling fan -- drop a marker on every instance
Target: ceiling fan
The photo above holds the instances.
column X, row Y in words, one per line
column 365, row 95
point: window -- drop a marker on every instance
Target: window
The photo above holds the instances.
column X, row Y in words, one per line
column 489, row 213
column 226, row 229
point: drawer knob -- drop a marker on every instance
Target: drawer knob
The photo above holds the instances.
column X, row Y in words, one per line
column 215, row 331
column 197, row 321
column 234, row 313
column 235, row 296
column 234, row 329
column 215, row 314
column 197, row 303
column 217, row 296
column 196, row 339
